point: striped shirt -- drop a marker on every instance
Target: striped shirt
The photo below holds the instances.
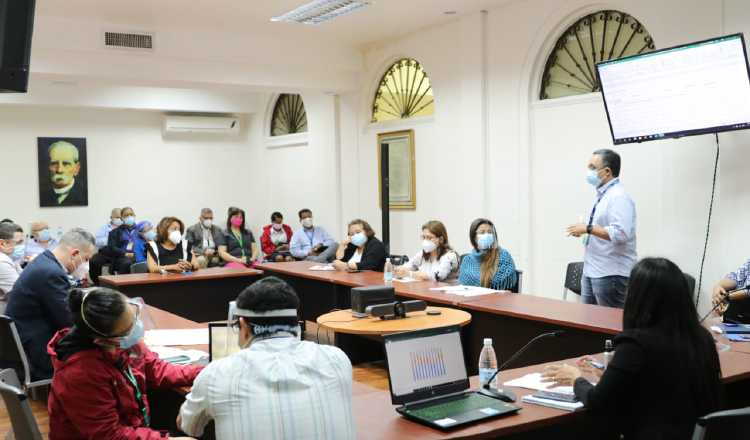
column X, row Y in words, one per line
column 278, row 388
column 741, row 276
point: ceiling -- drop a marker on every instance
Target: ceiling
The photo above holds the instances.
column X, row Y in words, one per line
column 382, row 20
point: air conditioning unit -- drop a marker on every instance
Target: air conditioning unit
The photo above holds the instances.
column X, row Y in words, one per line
column 207, row 125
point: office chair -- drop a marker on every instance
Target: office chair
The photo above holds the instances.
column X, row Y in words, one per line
column 141, row 267
column 519, row 282
column 573, row 275
column 398, row 260
column 13, row 356
column 24, row 426
column 722, row 423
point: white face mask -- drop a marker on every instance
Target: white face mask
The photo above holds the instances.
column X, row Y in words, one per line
column 116, row 222
column 175, row 237
column 276, row 226
column 428, row 246
column 307, row 222
column 207, row 223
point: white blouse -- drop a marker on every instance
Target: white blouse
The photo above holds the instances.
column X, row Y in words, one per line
column 357, row 257
column 443, row 269
column 278, row 237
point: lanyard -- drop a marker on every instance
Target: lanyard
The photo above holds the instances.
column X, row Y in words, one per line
column 241, row 241
column 138, row 396
column 311, row 237
column 599, row 199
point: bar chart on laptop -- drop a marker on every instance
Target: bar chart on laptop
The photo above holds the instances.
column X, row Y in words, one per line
column 427, row 364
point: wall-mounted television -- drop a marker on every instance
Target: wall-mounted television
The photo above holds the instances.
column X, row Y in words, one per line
column 16, row 29
column 696, row 88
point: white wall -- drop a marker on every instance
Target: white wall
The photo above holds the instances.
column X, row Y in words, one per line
column 537, row 151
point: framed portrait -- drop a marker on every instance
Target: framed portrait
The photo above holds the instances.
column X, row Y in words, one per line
column 401, row 169
column 63, row 177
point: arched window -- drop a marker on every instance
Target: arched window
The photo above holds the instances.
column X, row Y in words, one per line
column 601, row 36
column 289, row 115
column 404, row 92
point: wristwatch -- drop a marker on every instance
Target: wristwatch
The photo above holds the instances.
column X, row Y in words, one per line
column 589, row 228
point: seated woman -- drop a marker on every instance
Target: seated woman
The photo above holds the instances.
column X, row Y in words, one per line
column 103, row 371
column 240, row 249
column 146, row 233
column 360, row 250
column 665, row 372
column 437, row 261
column 489, row 265
column 170, row 252
column 276, row 238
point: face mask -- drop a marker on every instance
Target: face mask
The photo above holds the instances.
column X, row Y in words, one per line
column 593, row 178
column 236, row 221
column 132, row 338
column 276, row 226
column 130, row 220
column 359, row 239
column 428, row 246
column 116, row 222
column 150, row 235
column 485, row 241
column 19, row 251
column 44, row 235
column 307, row 222
column 175, row 237
column 207, row 223
column 82, row 271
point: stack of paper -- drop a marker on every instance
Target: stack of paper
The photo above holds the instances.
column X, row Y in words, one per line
column 197, row 336
column 462, row 290
column 322, row 268
column 534, row 381
column 558, row 404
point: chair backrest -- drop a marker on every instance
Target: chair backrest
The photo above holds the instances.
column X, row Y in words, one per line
column 519, row 282
column 573, row 275
column 141, row 267
column 398, row 260
column 723, row 424
column 11, row 350
column 17, row 404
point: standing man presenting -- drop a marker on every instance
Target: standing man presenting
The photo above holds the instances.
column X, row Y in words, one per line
column 609, row 234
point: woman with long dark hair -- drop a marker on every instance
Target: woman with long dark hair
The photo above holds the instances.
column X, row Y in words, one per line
column 239, row 249
column 103, row 371
column 489, row 265
column 665, row 372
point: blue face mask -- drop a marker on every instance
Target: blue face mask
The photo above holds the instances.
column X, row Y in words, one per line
column 132, row 338
column 19, row 251
column 150, row 235
column 44, row 235
column 485, row 241
column 130, row 220
column 593, row 178
column 359, row 239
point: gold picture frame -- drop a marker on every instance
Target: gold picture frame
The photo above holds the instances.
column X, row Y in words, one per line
column 402, row 169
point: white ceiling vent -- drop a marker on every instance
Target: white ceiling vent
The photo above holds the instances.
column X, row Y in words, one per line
column 129, row 40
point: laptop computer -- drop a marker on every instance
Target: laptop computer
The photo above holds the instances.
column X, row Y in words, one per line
column 222, row 342
column 428, row 379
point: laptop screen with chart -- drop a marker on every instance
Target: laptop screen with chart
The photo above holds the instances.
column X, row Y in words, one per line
column 427, row 365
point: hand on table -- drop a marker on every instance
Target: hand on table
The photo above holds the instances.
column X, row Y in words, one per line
column 576, row 230
column 282, row 247
column 563, row 374
column 209, row 252
column 184, row 265
column 340, row 265
column 584, row 364
column 401, row 272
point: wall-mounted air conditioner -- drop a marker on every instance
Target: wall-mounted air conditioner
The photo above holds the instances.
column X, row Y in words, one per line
column 206, row 125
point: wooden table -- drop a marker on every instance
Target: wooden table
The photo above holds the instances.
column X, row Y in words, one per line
column 200, row 296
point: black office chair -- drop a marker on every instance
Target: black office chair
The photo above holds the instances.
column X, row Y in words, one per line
column 723, row 424
column 398, row 260
column 573, row 275
column 141, row 267
column 13, row 356
column 22, row 420
column 519, row 282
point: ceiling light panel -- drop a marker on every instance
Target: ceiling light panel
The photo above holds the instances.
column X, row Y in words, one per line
column 320, row 11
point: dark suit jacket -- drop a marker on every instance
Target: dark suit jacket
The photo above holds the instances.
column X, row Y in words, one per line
column 373, row 255
column 38, row 304
column 78, row 195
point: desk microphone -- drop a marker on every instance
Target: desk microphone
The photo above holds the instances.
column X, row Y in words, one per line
column 507, row 395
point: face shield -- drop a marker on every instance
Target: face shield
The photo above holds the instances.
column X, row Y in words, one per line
column 233, row 326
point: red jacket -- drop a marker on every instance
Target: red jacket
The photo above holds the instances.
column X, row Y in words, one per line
column 90, row 397
column 265, row 239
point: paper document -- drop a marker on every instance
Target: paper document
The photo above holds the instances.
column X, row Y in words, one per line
column 465, row 290
column 534, row 382
column 405, row 280
column 322, row 268
column 565, row 406
column 171, row 354
column 193, row 336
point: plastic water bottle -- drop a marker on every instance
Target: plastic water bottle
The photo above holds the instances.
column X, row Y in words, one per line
column 487, row 364
column 388, row 271
column 609, row 352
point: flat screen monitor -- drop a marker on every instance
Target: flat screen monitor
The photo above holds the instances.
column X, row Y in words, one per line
column 696, row 88
column 16, row 29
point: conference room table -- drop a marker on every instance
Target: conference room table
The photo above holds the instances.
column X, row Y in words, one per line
column 509, row 319
column 376, row 418
column 201, row 296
